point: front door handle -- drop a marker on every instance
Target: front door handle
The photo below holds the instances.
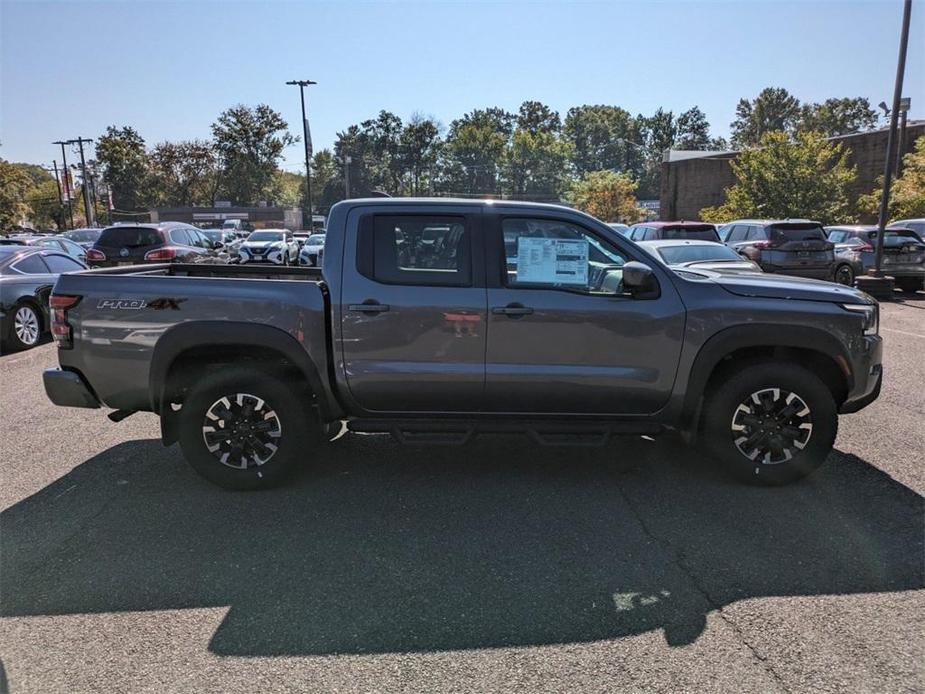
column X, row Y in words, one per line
column 513, row 310
column 369, row 306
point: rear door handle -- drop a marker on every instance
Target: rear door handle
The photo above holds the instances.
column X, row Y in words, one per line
column 369, row 306
column 512, row 310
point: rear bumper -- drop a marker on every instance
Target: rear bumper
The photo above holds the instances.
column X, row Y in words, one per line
column 68, row 389
column 817, row 273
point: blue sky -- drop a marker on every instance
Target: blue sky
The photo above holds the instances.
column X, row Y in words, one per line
column 169, row 69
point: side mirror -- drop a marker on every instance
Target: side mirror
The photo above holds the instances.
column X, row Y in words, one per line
column 639, row 280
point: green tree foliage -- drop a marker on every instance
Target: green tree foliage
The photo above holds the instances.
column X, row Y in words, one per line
column 45, row 207
column 536, row 164
column 598, row 136
column 474, row 152
column 536, row 117
column 121, row 154
column 607, row 195
column 249, row 143
column 15, row 184
column 774, row 109
column 183, row 174
column 327, row 180
column 420, row 148
column 907, row 193
column 809, row 177
column 837, row 116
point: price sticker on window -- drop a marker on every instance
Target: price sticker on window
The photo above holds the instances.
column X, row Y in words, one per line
column 552, row 261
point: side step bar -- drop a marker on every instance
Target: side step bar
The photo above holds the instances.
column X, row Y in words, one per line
column 456, row 432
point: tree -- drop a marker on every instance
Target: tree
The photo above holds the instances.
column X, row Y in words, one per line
column 907, row 193
column 474, row 152
column 124, row 162
column 15, row 184
column 183, row 174
column 249, row 143
column 536, row 117
column 287, row 189
column 420, row 148
column 607, row 195
column 46, row 208
column 774, row 109
column 327, row 180
column 381, row 138
column 536, row 164
column 809, row 177
column 837, row 116
column 598, row 136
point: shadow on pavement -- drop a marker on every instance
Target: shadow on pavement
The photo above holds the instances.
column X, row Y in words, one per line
column 387, row 549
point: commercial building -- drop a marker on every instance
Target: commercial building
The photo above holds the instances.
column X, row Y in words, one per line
column 260, row 217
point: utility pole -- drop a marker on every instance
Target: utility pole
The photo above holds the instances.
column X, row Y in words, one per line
column 88, row 210
column 348, row 160
column 876, row 283
column 307, row 138
column 67, row 182
column 904, row 105
column 58, row 184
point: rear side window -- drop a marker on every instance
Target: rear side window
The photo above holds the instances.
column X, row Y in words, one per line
column 32, row 265
column 180, row 237
column 798, row 232
column 129, row 237
column 755, row 233
column 58, row 263
column 837, row 236
column 420, row 250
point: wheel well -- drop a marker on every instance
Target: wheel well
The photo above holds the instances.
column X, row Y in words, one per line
column 821, row 364
column 191, row 365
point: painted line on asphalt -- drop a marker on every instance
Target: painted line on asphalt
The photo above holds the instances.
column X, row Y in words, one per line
column 902, row 332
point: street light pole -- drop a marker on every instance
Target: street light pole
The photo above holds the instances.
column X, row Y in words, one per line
column 67, row 182
column 306, row 137
column 348, row 160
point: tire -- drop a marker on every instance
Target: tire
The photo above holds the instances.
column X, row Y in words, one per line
column 279, row 416
column 844, row 274
column 909, row 285
column 25, row 328
column 768, row 456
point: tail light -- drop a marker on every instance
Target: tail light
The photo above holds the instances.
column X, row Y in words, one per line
column 94, row 254
column 866, row 248
column 165, row 253
column 60, row 329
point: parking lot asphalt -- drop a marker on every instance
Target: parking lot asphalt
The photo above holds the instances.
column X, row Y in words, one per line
column 498, row 566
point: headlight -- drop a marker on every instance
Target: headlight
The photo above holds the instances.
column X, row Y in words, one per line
column 870, row 314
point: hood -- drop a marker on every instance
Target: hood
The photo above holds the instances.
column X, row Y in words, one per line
column 260, row 244
column 722, row 266
column 768, row 286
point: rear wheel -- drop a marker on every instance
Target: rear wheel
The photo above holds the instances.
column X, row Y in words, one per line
column 909, row 284
column 771, row 423
column 25, row 327
column 844, row 274
column 244, row 429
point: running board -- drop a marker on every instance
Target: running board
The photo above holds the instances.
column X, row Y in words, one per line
column 456, row 432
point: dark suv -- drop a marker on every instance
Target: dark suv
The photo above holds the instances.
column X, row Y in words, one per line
column 856, row 253
column 786, row 247
column 656, row 231
column 167, row 242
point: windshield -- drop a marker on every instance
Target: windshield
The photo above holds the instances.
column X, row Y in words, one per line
column 676, row 255
column 266, row 236
column 798, row 232
column 705, row 233
column 315, row 240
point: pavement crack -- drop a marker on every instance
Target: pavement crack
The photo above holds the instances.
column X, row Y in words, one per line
column 680, row 561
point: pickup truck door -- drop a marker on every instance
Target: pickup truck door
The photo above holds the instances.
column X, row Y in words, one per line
column 413, row 310
column 563, row 337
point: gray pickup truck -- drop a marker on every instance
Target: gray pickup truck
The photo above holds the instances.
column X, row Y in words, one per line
column 434, row 320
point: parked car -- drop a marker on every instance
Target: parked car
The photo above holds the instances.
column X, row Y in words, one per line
column 856, row 254
column 239, row 226
column 312, row 250
column 54, row 243
column 27, row 275
column 166, row 242
column 269, row 246
column 699, row 255
column 229, row 241
column 788, row 247
column 619, row 228
column 917, row 225
column 414, row 327
column 85, row 237
column 653, row 231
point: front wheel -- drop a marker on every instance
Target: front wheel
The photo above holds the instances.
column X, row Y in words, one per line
column 245, row 429
column 771, row 423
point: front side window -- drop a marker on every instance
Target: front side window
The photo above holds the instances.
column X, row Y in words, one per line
column 552, row 254
column 424, row 250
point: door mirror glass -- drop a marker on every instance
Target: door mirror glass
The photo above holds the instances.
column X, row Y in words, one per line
column 639, row 280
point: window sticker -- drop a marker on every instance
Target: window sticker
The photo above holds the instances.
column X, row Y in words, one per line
column 552, row 261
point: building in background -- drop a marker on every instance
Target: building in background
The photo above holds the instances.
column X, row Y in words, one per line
column 694, row 180
column 207, row 217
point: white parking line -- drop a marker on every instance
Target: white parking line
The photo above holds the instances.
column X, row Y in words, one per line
column 902, row 332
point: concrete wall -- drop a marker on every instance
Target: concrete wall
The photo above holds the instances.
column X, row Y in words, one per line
column 689, row 185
